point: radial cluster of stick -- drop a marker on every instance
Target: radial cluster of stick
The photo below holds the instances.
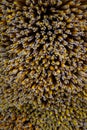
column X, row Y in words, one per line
column 43, row 64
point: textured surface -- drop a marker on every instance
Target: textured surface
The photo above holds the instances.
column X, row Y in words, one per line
column 43, row 65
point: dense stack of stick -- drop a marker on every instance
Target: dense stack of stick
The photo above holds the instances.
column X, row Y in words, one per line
column 43, row 64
